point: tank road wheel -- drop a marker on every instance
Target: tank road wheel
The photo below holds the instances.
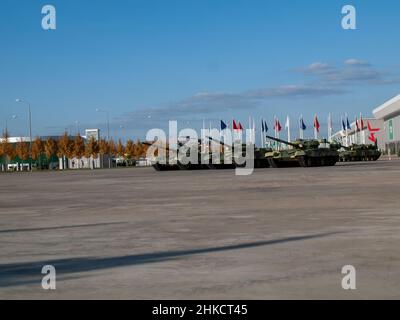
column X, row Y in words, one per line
column 183, row 166
column 261, row 163
column 272, row 163
column 211, row 166
column 303, row 161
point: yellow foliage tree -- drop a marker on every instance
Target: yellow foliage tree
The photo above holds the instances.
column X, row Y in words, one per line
column 22, row 150
column 50, row 148
column 37, row 148
column 6, row 148
column 92, row 148
column 79, row 148
column 120, row 149
column 129, row 149
column 112, row 148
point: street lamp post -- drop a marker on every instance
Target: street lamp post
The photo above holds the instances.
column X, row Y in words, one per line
column 30, row 129
column 108, row 132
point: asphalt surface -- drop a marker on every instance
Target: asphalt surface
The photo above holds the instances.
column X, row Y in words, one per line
column 141, row 234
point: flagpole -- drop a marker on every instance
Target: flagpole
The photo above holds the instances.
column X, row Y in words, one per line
column 329, row 127
column 250, row 128
column 288, row 129
column 362, row 129
column 262, row 132
column 347, row 133
column 315, row 128
column 301, row 127
column 203, row 137
column 254, row 131
column 359, row 132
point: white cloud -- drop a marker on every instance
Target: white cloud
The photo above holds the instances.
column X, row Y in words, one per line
column 356, row 62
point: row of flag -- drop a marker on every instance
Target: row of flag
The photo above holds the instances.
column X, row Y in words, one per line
column 278, row 127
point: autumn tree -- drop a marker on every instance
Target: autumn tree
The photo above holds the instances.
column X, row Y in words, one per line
column 37, row 149
column 120, row 149
column 129, row 149
column 112, row 149
column 145, row 147
column 50, row 148
column 79, row 148
column 6, row 148
column 139, row 149
column 22, row 150
column 92, row 150
column 65, row 149
column 103, row 147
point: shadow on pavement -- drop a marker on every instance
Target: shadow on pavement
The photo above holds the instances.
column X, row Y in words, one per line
column 59, row 227
column 30, row 272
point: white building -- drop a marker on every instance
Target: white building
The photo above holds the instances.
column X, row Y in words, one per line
column 389, row 114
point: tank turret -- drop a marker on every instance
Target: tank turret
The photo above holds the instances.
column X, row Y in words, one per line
column 304, row 153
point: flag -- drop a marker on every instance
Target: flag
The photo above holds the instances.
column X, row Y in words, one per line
column 287, row 124
column 343, row 125
column 223, row 125
column 234, row 125
column 277, row 126
column 348, row 124
column 357, row 126
column 302, row 124
column 265, row 126
column 361, row 122
column 316, row 124
column 262, row 126
column 240, row 126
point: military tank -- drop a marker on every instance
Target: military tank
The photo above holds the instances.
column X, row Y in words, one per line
column 304, row 153
column 260, row 161
column 163, row 163
column 360, row 152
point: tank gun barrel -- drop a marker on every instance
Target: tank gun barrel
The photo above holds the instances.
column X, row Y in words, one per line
column 220, row 142
column 161, row 147
column 282, row 141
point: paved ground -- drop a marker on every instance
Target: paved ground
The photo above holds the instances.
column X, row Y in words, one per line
column 137, row 233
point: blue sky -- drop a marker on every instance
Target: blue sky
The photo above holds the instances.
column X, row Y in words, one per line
column 149, row 61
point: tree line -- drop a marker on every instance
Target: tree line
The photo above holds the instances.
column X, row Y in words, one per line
column 68, row 148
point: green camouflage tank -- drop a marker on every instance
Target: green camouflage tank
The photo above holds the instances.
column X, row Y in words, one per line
column 360, row 152
column 303, row 153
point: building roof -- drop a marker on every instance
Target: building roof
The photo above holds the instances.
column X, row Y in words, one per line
column 16, row 139
column 388, row 109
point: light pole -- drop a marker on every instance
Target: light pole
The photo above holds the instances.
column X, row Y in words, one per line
column 30, row 129
column 108, row 132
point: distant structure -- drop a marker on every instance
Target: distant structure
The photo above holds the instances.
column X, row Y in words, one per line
column 92, row 133
column 352, row 136
column 101, row 161
column 385, row 128
column 389, row 114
